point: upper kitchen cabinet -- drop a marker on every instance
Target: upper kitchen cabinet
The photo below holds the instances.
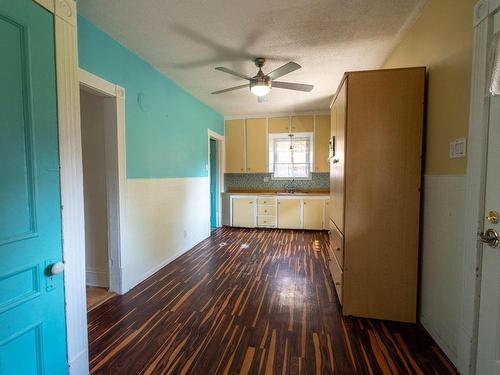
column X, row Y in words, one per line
column 235, row 146
column 279, row 125
column 321, row 139
column 302, row 124
column 256, row 145
column 247, row 141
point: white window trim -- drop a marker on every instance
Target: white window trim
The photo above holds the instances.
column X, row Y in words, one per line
column 271, row 139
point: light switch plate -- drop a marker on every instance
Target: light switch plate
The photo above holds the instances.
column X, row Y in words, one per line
column 458, row 148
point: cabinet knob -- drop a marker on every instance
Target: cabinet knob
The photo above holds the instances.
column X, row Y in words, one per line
column 337, row 249
column 335, row 161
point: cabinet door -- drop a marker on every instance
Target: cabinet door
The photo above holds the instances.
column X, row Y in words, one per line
column 337, row 163
column 256, row 145
column 321, row 139
column 279, row 125
column 301, row 124
column 243, row 212
column 235, row 146
column 313, row 213
column 289, row 213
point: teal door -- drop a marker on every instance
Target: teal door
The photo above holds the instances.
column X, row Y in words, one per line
column 32, row 322
column 213, row 184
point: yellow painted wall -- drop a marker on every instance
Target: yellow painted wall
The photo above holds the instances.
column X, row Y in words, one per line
column 441, row 39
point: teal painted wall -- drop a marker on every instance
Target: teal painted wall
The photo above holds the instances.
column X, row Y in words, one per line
column 166, row 136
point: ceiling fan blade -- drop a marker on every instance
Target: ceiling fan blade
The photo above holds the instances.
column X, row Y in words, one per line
column 232, row 72
column 262, row 99
column 292, row 86
column 284, row 69
column 230, row 89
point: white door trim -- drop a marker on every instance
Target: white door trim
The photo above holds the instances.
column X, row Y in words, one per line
column 475, row 184
column 220, row 175
column 115, row 174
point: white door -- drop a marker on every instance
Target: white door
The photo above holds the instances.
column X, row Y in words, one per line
column 488, row 360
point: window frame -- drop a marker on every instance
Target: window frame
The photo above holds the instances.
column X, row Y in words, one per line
column 272, row 152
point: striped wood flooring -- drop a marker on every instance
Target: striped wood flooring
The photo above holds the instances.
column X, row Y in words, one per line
column 248, row 301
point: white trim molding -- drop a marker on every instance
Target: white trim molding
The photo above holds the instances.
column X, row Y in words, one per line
column 221, row 154
column 116, row 179
column 98, row 278
column 475, row 184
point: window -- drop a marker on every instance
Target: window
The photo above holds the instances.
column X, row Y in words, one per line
column 290, row 155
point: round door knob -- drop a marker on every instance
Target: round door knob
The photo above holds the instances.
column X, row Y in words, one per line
column 57, row 268
column 490, row 237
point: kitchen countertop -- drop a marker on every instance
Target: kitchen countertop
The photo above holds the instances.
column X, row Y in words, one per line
column 279, row 193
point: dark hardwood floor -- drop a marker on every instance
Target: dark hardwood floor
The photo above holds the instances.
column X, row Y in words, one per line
column 250, row 302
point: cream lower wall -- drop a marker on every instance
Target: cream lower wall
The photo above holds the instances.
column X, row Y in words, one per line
column 165, row 217
column 441, row 259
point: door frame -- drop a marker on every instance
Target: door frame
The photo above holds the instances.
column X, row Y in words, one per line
column 115, row 174
column 71, row 179
column 220, row 139
column 475, row 187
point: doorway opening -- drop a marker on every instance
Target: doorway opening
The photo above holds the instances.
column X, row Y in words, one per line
column 215, row 177
column 95, row 112
column 100, row 113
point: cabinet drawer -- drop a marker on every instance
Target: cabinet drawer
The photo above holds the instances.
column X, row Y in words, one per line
column 266, row 201
column 337, row 244
column 337, row 276
column 266, row 221
column 267, row 210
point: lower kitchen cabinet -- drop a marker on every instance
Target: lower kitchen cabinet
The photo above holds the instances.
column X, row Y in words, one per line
column 313, row 214
column 243, row 212
column 289, row 213
column 275, row 211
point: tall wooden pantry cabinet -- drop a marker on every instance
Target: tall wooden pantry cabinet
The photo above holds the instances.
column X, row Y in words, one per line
column 375, row 178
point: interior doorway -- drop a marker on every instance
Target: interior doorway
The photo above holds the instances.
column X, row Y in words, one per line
column 213, row 184
column 101, row 135
column 94, row 111
column 215, row 177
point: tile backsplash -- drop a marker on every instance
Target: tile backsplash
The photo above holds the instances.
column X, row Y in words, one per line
column 262, row 181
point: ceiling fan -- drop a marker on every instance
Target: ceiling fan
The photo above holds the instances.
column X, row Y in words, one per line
column 261, row 84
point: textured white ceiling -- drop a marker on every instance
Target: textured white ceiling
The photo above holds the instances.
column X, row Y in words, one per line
column 187, row 39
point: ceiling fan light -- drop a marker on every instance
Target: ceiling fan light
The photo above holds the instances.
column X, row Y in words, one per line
column 261, row 88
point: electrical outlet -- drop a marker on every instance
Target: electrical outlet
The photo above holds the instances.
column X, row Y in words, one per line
column 266, row 179
column 458, row 148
